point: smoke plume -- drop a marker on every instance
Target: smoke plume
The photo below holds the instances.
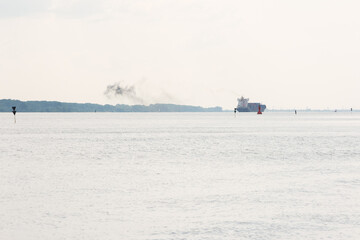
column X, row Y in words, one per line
column 128, row 92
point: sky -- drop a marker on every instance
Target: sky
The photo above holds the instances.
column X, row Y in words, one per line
column 285, row 54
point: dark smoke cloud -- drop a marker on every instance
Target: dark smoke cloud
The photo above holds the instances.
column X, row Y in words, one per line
column 116, row 90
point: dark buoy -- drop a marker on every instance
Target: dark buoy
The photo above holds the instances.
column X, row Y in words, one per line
column 295, row 112
column 14, row 112
column 259, row 112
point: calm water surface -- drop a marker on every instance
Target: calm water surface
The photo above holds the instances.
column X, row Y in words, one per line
column 180, row 176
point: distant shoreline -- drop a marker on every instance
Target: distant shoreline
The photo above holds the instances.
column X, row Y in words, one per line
column 55, row 106
column 312, row 110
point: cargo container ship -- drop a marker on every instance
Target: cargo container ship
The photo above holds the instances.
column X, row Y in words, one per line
column 245, row 106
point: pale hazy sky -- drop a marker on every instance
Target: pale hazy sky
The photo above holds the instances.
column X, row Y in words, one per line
column 286, row 54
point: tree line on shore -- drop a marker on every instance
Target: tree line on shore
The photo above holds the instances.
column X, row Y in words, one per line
column 54, row 106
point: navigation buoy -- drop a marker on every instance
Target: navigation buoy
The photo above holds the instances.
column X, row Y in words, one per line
column 259, row 112
column 295, row 112
column 14, row 112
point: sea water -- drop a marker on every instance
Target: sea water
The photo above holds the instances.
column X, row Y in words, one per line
column 180, row 176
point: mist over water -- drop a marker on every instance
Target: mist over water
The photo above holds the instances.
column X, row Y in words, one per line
column 180, row 176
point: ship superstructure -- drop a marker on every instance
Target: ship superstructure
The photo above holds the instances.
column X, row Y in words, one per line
column 243, row 102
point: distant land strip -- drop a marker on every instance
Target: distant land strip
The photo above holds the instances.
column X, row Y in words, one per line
column 54, row 106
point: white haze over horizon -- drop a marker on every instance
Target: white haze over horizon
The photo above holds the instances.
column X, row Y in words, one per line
column 285, row 54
